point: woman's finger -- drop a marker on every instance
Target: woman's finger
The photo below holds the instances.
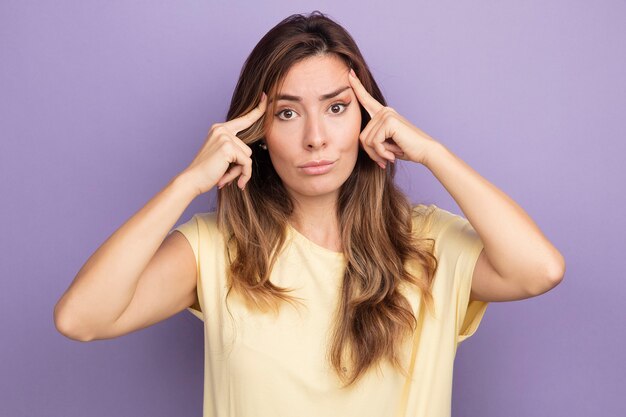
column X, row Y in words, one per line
column 244, row 147
column 367, row 147
column 371, row 105
column 232, row 173
column 240, row 165
column 241, row 169
column 370, row 125
column 246, row 173
column 243, row 122
column 376, row 137
column 371, row 138
column 374, row 156
column 392, row 147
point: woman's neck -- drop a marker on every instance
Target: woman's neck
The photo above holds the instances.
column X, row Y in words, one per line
column 316, row 219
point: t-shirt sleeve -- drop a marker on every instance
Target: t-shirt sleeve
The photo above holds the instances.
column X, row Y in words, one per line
column 191, row 231
column 459, row 246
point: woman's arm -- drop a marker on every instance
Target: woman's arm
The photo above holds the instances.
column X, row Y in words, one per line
column 524, row 260
column 518, row 261
column 99, row 302
column 104, row 287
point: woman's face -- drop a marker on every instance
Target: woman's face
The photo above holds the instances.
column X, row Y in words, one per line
column 313, row 140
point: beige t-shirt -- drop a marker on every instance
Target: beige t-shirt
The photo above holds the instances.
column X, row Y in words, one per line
column 264, row 365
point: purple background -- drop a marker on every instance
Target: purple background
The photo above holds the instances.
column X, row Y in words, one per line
column 102, row 103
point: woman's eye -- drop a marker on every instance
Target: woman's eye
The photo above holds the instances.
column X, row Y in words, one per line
column 336, row 108
column 287, row 112
column 341, row 106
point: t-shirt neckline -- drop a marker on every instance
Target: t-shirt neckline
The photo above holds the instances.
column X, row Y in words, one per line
column 314, row 246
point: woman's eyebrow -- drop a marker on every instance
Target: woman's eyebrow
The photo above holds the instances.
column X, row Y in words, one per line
column 290, row 97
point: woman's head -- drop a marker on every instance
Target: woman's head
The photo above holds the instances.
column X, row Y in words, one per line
column 304, row 56
column 313, row 136
column 308, row 57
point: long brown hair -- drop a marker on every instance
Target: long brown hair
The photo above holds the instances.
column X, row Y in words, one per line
column 375, row 218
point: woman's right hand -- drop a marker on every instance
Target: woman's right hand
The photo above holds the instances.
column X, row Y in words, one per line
column 223, row 156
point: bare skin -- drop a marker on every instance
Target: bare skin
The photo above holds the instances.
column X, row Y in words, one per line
column 518, row 261
column 310, row 127
column 141, row 275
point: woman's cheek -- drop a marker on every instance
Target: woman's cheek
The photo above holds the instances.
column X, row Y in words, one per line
column 354, row 132
column 281, row 134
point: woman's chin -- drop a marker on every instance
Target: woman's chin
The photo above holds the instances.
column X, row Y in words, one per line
column 316, row 190
column 311, row 186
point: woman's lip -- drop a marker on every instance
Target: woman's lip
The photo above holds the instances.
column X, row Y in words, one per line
column 316, row 163
column 317, row 168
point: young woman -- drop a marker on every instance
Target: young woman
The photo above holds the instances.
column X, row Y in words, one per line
column 322, row 290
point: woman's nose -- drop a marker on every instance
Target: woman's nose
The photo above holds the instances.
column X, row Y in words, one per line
column 314, row 135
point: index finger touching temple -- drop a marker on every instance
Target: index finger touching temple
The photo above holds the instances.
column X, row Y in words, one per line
column 369, row 103
column 243, row 122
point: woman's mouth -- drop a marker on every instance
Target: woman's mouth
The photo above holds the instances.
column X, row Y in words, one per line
column 317, row 167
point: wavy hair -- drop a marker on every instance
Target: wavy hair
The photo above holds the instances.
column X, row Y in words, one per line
column 375, row 218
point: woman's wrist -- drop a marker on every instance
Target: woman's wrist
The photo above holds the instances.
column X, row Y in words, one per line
column 435, row 151
column 185, row 186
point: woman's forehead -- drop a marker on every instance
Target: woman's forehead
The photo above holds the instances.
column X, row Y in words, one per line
column 315, row 78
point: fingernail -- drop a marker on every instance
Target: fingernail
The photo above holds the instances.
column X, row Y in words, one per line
column 352, row 73
column 380, row 164
column 263, row 96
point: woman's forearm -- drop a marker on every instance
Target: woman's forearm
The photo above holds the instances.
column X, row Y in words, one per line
column 106, row 284
column 514, row 245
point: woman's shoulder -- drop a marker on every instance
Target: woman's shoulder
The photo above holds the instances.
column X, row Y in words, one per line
column 200, row 223
column 430, row 219
column 207, row 217
column 452, row 233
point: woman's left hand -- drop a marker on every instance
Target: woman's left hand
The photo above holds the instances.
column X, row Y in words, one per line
column 388, row 135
